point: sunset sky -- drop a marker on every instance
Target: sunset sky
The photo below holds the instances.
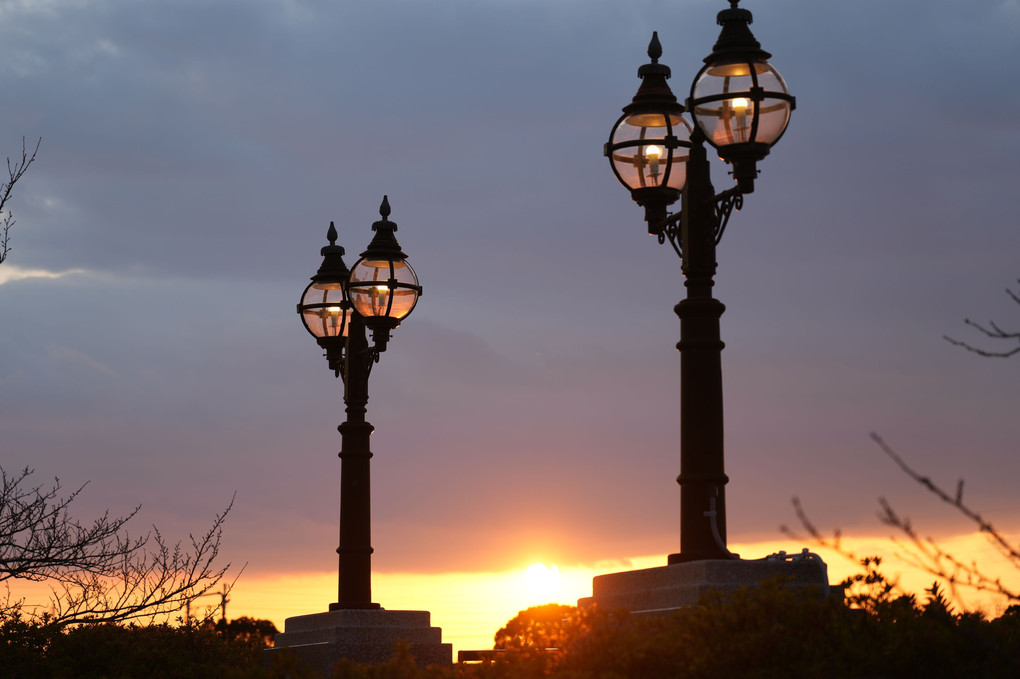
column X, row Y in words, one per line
column 195, row 151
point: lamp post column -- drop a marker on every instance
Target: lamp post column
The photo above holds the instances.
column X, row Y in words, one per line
column 355, row 550
column 740, row 106
column 702, row 478
column 338, row 308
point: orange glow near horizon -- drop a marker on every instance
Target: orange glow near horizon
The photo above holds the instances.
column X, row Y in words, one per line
column 471, row 607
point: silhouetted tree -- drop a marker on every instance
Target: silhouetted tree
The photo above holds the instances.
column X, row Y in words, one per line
column 992, row 331
column 244, row 630
column 538, row 628
column 15, row 171
column 96, row 571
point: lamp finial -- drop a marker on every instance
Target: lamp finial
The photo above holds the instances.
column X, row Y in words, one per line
column 654, row 48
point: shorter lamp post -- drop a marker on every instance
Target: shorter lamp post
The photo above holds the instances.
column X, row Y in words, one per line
column 740, row 105
column 338, row 307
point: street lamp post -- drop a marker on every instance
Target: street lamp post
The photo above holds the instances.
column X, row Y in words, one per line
column 338, row 307
column 740, row 105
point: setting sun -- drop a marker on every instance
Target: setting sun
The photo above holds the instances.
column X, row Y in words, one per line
column 543, row 582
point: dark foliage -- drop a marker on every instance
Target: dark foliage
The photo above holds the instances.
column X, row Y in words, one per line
column 31, row 650
column 540, row 628
column 246, row 630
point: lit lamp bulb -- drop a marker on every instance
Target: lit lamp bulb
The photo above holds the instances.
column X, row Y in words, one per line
column 380, row 299
column 334, row 316
column 740, row 106
column 652, row 154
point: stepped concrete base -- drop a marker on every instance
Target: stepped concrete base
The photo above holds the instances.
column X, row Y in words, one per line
column 660, row 590
column 320, row 640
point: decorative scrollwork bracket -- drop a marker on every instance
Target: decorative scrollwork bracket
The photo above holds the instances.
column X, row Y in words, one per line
column 671, row 230
column 725, row 202
column 370, row 357
column 723, row 206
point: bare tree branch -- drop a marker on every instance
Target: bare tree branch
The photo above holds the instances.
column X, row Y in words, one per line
column 1009, row 551
column 38, row 538
column 15, row 171
column 925, row 553
column 96, row 571
column 992, row 331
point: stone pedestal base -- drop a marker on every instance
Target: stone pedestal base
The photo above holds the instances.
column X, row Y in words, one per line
column 363, row 635
column 655, row 590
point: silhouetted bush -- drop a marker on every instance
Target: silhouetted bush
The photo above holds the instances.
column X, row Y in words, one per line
column 34, row 650
column 774, row 631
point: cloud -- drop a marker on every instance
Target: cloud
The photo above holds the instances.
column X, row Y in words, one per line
column 195, row 152
column 71, row 356
column 10, row 273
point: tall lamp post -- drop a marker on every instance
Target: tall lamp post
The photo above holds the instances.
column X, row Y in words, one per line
column 338, row 307
column 740, row 105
